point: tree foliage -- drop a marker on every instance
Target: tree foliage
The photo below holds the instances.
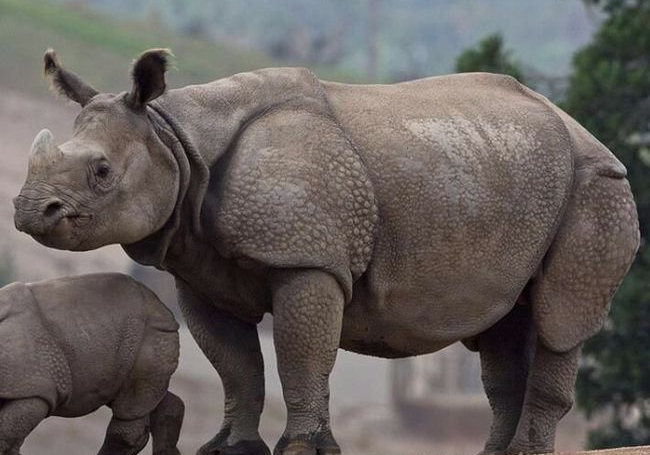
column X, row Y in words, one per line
column 609, row 93
column 614, row 5
column 489, row 55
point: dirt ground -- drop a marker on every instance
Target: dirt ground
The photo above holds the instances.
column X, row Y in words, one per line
column 624, row 451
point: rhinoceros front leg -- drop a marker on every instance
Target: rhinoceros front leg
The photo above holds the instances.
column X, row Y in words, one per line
column 233, row 348
column 17, row 419
column 307, row 319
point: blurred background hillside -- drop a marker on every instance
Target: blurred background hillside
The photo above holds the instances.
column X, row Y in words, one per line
column 591, row 56
column 359, row 40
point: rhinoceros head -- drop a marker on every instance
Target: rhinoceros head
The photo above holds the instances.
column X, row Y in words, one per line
column 112, row 182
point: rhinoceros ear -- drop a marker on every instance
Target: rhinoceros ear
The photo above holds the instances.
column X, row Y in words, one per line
column 148, row 77
column 65, row 82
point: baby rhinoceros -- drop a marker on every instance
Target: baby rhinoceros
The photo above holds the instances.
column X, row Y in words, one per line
column 71, row 345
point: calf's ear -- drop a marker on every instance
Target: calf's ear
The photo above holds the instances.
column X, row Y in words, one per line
column 148, row 77
column 65, row 82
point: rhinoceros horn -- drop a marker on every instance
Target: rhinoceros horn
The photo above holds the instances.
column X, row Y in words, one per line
column 44, row 147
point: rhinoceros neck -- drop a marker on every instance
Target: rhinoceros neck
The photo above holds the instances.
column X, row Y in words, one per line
column 214, row 114
column 193, row 176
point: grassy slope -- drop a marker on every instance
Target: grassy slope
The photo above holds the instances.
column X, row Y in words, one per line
column 100, row 49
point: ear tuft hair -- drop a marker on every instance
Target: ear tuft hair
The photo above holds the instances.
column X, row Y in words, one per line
column 51, row 62
column 64, row 82
column 148, row 74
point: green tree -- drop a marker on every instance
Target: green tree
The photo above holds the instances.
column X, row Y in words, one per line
column 489, row 55
column 609, row 93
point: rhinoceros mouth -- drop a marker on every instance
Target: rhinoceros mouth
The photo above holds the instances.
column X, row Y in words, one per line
column 71, row 222
column 67, row 233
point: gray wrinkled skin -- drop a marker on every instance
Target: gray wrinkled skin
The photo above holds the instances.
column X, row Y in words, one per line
column 72, row 345
column 390, row 220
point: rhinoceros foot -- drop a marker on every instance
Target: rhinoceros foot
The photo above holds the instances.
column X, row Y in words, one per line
column 218, row 446
column 322, row 443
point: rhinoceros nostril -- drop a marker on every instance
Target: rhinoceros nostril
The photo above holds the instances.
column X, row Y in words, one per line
column 52, row 208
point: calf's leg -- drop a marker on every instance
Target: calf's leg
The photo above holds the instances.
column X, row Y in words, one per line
column 125, row 437
column 17, row 419
column 143, row 404
column 166, row 421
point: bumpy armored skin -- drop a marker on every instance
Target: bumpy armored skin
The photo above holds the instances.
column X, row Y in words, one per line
column 71, row 345
column 390, row 220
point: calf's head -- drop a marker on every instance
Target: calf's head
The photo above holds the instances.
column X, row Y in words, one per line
column 113, row 181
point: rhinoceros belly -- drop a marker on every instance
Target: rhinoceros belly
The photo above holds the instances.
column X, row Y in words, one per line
column 402, row 323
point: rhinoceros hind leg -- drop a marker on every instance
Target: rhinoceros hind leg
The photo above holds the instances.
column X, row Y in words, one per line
column 570, row 297
column 549, row 396
column 166, row 421
column 506, row 350
column 586, row 262
column 17, row 419
column 125, row 437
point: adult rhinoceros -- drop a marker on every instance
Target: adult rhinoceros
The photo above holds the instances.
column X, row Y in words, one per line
column 390, row 220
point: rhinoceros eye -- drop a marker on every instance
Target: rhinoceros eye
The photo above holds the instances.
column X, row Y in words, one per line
column 102, row 170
